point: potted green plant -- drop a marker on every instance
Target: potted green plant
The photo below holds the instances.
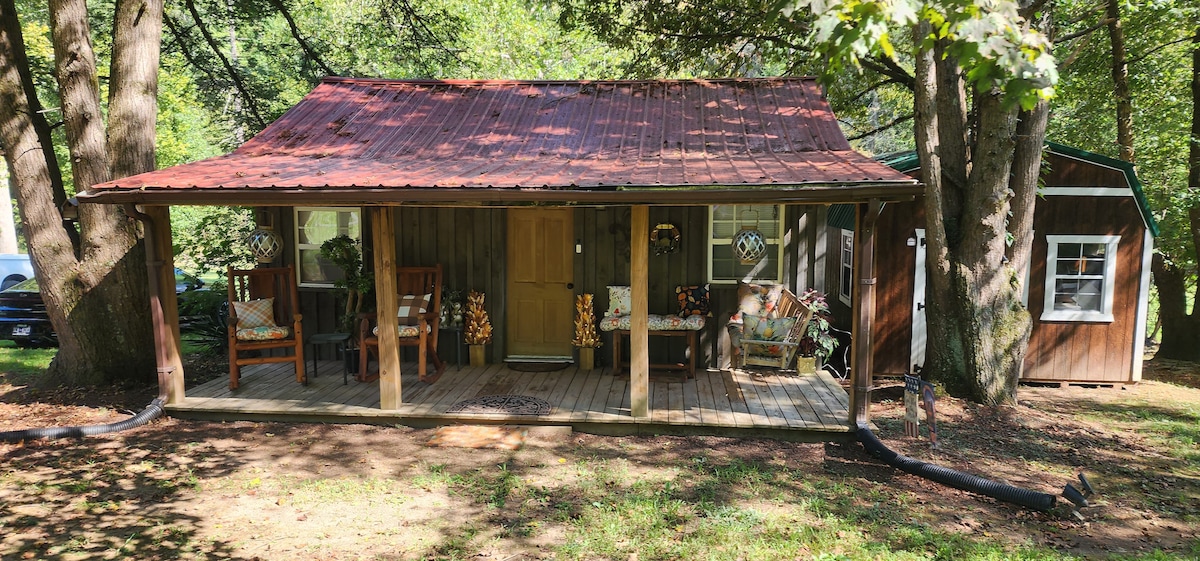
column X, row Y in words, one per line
column 818, row 343
column 354, row 286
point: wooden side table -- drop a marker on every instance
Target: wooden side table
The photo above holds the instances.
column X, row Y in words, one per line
column 338, row 340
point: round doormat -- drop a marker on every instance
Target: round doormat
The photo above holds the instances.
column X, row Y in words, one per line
column 502, row 404
column 537, row 366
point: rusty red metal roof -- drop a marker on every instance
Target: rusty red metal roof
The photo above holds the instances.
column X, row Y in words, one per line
column 359, row 140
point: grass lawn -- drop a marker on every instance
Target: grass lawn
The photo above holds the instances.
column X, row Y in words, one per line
column 195, row 490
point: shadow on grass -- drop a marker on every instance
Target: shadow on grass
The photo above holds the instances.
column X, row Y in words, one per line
column 111, row 497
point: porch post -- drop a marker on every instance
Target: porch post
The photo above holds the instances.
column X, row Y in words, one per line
column 383, row 233
column 639, row 344
column 164, row 306
column 864, row 316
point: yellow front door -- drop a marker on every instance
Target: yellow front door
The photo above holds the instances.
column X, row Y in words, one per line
column 541, row 296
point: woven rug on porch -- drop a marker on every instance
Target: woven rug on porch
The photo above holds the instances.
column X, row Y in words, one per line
column 502, row 404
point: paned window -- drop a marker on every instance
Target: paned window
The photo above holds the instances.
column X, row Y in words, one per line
column 725, row 221
column 314, row 225
column 1080, row 277
column 846, row 268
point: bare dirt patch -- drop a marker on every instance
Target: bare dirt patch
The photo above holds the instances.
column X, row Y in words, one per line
column 180, row 489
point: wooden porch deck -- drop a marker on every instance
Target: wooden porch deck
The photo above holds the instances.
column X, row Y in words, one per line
column 782, row 405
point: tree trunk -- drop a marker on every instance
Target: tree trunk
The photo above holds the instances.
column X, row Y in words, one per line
column 1120, row 76
column 978, row 329
column 1180, row 329
column 1026, row 168
column 97, row 301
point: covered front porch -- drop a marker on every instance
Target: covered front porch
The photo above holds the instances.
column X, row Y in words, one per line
column 780, row 404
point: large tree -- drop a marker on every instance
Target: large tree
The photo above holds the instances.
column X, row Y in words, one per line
column 983, row 74
column 93, row 280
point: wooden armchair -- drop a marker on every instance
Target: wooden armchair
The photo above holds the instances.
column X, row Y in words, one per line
column 264, row 315
column 774, row 340
column 421, row 329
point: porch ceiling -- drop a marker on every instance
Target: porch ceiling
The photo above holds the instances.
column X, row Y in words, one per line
column 392, row 142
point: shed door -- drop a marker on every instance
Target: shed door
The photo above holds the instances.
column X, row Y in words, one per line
column 919, row 331
column 541, row 296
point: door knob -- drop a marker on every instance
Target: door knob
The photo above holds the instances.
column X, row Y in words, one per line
column 570, row 285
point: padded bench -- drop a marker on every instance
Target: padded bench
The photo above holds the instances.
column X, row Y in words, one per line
column 657, row 326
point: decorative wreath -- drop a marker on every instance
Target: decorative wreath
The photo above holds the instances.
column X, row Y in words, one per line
column 665, row 238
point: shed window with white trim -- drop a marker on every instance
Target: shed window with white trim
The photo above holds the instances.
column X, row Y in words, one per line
column 846, row 268
column 314, row 225
column 1080, row 278
column 725, row 221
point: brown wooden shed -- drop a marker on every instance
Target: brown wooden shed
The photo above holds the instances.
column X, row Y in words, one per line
column 1088, row 281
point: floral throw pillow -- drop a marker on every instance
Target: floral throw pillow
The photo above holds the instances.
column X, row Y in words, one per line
column 761, row 328
column 619, row 299
column 411, row 308
column 693, row 300
column 757, row 300
column 255, row 313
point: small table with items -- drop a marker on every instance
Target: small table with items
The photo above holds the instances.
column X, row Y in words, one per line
column 338, row 340
column 457, row 330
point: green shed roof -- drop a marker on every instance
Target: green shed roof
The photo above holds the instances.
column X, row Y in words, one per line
column 907, row 161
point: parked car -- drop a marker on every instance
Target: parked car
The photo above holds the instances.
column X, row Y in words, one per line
column 23, row 318
column 14, row 268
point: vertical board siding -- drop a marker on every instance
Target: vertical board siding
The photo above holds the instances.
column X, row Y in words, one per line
column 1080, row 351
column 462, row 241
column 895, row 269
column 1058, row 351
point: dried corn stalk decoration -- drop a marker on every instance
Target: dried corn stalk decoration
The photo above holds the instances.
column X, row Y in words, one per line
column 585, row 323
column 478, row 329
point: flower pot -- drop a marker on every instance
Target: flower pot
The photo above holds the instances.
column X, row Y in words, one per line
column 806, row 364
column 478, row 357
column 587, row 358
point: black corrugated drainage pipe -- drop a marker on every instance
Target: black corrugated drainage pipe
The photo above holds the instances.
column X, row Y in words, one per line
column 151, row 412
column 954, row 478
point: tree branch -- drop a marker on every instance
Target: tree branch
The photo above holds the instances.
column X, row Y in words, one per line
column 889, row 68
column 233, row 74
column 895, row 122
column 1086, row 31
column 295, row 29
column 1145, row 55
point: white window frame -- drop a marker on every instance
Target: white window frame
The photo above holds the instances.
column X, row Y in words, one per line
column 1107, row 277
column 316, row 246
column 846, row 266
column 759, row 274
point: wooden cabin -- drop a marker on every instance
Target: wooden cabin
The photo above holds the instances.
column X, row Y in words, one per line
column 1088, row 282
column 533, row 193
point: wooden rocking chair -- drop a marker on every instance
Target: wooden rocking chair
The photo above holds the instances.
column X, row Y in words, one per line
column 264, row 315
column 413, row 282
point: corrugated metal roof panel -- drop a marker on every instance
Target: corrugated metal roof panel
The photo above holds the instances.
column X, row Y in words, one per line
column 395, row 134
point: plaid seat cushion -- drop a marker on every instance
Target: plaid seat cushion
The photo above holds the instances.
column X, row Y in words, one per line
column 255, row 313
column 411, row 308
column 263, row 333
